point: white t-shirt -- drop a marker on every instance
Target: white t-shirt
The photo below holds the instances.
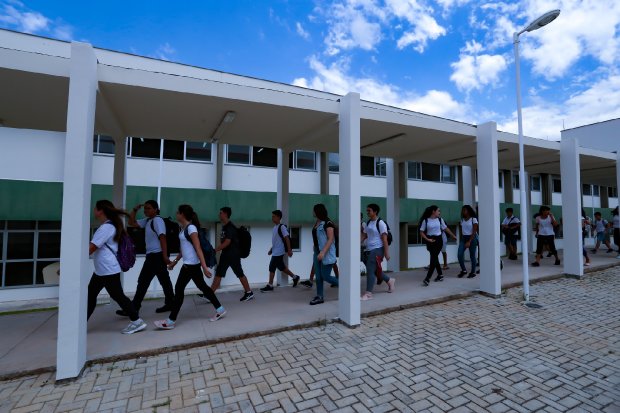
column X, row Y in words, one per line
column 277, row 246
column 511, row 220
column 187, row 248
column 545, row 226
column 467, row 226
column 152, row 238
column 600, row 225
column 374, row 240
column 435, row 226
column 105, row 260
column 616, row 221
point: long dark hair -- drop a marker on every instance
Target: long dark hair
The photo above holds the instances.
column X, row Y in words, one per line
column 428, row 212
column 470, row 211
column 188, row 212
column 615, row 211
column 321, row 212
column 114, row 215
column 153, row 205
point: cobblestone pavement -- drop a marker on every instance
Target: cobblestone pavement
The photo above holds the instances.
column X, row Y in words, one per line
column 470, row 355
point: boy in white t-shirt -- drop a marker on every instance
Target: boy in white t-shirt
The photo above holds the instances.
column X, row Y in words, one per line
column 280, row 246
column 510, row 227
column 601, row 226
column 377, row 246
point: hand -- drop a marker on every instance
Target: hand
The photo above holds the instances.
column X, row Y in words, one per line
column 205, row 269
column 467, row 244
column 172, row 264
column 320, row 256
column 290, row 253
column 269, row 252
column 137, row 207
column 453, row 236
column 387, row 257
column 431, row 240
column 167, row 261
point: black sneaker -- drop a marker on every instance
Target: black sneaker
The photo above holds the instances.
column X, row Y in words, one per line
column 425, row 283
column 164, row 309
column 439, row 278
column 306, row 283
column 317, row 300
column 247, row 296
column 593, row 251
column 295, row 280
column 334, row 285
column 549, row 255
column 610, row 250
column 462, row 274
column 265, row 289
column 471, row 275
column 535, row 264
column 122, row 313
column 557, row 262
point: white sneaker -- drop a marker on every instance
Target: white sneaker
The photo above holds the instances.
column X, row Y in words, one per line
column 391, row 284
column 618, row 257
column 165, row 324
column 366, row 296
column 134, row 326
column 218, row 315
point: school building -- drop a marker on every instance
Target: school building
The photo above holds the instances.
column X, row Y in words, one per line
column 78, row 124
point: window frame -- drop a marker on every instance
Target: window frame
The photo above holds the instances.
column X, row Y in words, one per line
column 299, row 238
column 535, row 177
column 295, row 159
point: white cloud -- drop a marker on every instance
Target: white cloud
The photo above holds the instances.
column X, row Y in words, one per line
column 301, row 32
column 165, row 51
column 335, row 79
column 351, row 27
column 475, row 70
column 16, row 16
column 425, row 30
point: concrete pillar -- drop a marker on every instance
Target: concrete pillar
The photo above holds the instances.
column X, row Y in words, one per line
column 218, row 149
column 467, row 185
column 119, row 185
column 604, row 195
column 282, row 201
column 349, row 206
column 571, row 206
column 393, row 212
column 508, row 192
column 488, row 201
column 75, row 268
column 618, row 175
column 324, row 171
column 546, row 187
column 404, row 227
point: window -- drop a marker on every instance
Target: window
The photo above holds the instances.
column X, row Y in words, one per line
column 448, row 174
column 103, row 144
column 535, row 183
column 380, row 167
column 586, row 189
column 295, row 235
column 500, row 179
column 305, row 160
column 515, row 180
column 367, row 166
column 198, row 151
column 267, row 157
column 612, row 192
column 414, row 170
column 431, row 172
column 174, row 150
column 413, row 235
column 557, row 185
column 334, row 162
column 238, row 154
column 595, row 190
column 144, row 148
column 29, row 252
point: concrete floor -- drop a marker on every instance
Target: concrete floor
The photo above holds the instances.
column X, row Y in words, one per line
column 28, row 341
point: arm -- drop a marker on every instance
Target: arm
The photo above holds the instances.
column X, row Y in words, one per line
column 132, row 216
column 91, row 248
column 164, row 248
column 473, row 235
column 553, row 221
column 223, row 245
column 201, row 257
column 289, row 250
column 449, row 232
column 386, row 246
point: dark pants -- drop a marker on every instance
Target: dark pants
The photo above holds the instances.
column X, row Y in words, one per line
column 154, row 265
column 191, row 273
column 112, row 284
column 434, row 248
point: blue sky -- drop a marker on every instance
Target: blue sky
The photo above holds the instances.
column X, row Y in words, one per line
column 450, row 58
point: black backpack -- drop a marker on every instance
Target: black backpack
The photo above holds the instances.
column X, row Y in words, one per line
column 205, row 245
column 245, row 241
column 441, row 221
column 172, row 234
column 280, row 233
column 389, row 233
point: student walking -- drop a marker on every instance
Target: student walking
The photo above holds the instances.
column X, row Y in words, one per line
column 431, row 228
column 545, row 234
column 310, row 281
column 510, row 227
column 231, row 255
column 600, row 226
column 194, row 265
column 376, row 236
column 584, row 223
column 616, row 225
column 280, row 245
column 104, row 249
column 156, row 261
column 324, row 257
column 469, row 240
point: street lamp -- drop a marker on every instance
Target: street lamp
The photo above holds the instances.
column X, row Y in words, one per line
column 542, row 21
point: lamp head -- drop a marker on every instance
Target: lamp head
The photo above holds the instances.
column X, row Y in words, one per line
column 543, row 20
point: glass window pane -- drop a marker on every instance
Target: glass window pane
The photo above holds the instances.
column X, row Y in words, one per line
column 49, row 245
column 431, row 172
column 500, row 179
column 367, row 166
column 535, row 182
column 295, row 238
column 239, row 154
column 612, row 192
column 595, row 189
column 49, row 224
column 20, row 246
column 334, row 162
column 47, row 272
column 145, row 148
column 380, row 167
column 198, row 151
column 586, row 189
column 106, row 144
column 413, row 235
column 306, row 160
column 448, row 174
column 21, row 224
column 95, row 143
column 557, row 186
column 173, row 150
column 515, row 181
column 414, row 170
column 18, row 273
column 264, row 157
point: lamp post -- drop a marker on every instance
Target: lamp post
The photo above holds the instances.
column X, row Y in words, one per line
column 542, row 21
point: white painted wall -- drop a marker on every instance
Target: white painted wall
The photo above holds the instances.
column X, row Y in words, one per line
column 556, row 199
column 536, row 198
column 432, row 190
column 371, row 185
column 590, row 202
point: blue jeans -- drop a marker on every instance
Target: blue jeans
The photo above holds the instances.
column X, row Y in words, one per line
column 472, row 253
column 371, row 267
column 323, row 273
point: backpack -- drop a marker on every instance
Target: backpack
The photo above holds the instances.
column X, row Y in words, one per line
column 245, row 241
column 441, row 221
column 389, row 233
column 280, row 233
column 172, row 234
column 205, row 245
column 126, row 254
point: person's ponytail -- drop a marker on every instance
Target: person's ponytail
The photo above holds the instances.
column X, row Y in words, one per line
column 114, row 215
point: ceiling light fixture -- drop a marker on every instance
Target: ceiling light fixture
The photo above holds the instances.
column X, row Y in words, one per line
column 228, row 118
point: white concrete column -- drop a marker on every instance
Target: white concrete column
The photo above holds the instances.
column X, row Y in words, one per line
column 282, row 201
column 618, row 175
column 488, row 201
column 469, row 186
column 324, row 172
column 119, row 186
column 393, row 212
column 349, row 206
column 74, row 265
column 218, row 150
column 526, row 213
column 571, row 206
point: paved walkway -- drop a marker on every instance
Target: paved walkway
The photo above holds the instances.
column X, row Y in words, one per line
column 28, row 341
column 469, row 355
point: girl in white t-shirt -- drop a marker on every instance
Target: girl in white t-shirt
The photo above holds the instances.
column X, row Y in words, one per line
column 469, row 240
column 431, row 228
column 193, row 266
column 103, row 248
column 545, row 234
